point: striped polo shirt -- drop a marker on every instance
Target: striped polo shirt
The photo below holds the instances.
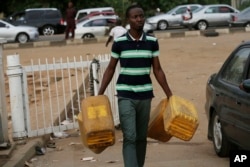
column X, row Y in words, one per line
column 135, row 59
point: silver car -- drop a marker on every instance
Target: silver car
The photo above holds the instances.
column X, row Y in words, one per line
column 241, row 19
column 21, row 34
column 172, row 18
column 215, row 15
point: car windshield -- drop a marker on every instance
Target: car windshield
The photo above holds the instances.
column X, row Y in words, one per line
column 172, row 10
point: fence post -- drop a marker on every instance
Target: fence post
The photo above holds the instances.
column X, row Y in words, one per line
column 95, row 78
column 14, row 72
column 4, row 140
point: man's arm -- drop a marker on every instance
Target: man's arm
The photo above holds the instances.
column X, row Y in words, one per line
column 109, row 40
column 160, row 77
column 108, row 75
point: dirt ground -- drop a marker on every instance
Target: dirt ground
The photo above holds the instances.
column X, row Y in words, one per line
column 187, row 61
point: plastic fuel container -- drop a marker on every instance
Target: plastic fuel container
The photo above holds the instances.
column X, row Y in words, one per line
column 180, row 118
column 96, row 123
column 156, row 128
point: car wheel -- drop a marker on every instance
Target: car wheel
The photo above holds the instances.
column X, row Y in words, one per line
column 162, row 25
column 221, row 145
column 22, row 38
column 88, row 36
column 202, row 25
column 48, row 30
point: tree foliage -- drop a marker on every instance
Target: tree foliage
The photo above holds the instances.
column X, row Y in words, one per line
column 9, row 6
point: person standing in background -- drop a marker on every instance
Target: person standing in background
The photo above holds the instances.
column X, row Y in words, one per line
column 70, row 19
column 188, row 15
column 137, row 52
column 116, row 31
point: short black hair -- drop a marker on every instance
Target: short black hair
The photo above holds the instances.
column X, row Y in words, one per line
column 134, row 5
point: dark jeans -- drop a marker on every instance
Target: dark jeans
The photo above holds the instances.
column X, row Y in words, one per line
column 70, row 28
column 134, row 117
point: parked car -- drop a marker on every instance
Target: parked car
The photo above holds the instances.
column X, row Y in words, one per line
column 93, row 14
column 49, row 21
column 215, row 15
column 241, row 19
column 172, row 18
column 21, row 34
column 84, row 12
column 94, row 27
column 148, row 28
column 227, row 106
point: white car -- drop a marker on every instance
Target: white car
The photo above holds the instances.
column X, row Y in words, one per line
column 21, row 34
column 148, row 28
column 172, row 18
column 93, row 27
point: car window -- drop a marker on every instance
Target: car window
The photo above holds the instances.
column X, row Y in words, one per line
column 18, row 16
column 193, row 8
column 33, row 15
column 224, row 9
column 81, row 15
column 233, row 72
column 2, row 24
column 51, row 14
column 181, row 10
column 99, row 22
column 212, row 10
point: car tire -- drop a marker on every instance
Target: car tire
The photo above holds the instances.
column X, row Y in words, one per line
column 210, row 34
column 162, row 25
column 202, row 25
column 22, row 38
column 221, row 145
column 88, row 36
column 48, row 30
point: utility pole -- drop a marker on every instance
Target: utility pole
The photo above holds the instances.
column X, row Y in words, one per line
column 4, row 140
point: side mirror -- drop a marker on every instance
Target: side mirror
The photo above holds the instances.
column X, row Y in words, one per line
column 245, row 85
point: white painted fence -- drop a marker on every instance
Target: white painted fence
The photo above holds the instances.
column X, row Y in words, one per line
column 45, row 97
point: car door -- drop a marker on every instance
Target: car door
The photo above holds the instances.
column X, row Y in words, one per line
column 224, row 13
column 34, row 18
column 97, row 27
column 175, row 19
column 6, row 32
column 235, row 105
column 212, row 16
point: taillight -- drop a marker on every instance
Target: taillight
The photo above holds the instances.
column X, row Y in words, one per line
column 62, row 22
column 234, row 18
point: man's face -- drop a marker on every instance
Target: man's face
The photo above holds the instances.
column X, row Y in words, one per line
column 136, row 19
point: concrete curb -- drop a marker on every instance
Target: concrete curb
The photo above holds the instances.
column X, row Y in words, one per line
column 25, row 152
column 158, row 34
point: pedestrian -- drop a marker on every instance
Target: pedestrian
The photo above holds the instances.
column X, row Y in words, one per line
column 187, row 16
column 117, row 31
column 138, row 53
column 70, row 20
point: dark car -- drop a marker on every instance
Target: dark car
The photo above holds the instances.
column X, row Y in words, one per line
column 241, row 19
column 227, row 105
column 49, row 21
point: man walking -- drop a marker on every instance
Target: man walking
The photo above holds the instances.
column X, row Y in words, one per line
column 137, row 53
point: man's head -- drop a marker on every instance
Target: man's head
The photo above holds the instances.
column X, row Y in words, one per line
column 135, row 17
column 70, row 4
